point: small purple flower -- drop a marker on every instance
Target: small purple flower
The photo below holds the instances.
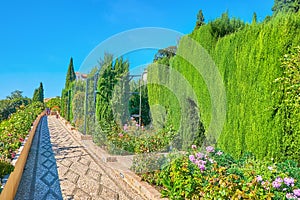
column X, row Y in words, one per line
column 276, row 184
column 296, row 192
column 201, row 167
column 194, row 146
column 219, row 153
column 192, row 158
column 289, row 196
column 210, row 149
column 289, row 181
column 259, row 178
column 199, row 155
column 278, row 179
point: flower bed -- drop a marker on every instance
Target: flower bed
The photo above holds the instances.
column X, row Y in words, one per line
column 13, row 131
column 213, row 174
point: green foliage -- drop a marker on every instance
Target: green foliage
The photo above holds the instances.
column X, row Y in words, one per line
column 287, row 104
column 111, row 82
column 200, row 19
column 134, row 103
column 164, row 55
column 254, row 18
column 120, row 96
column 214, row 174
column 17, row 94
column 286, row 6
column 10, row 105
column 38, row 94
column 71, row 76
column 54, row 103
column 78, row 102
column 66, row 104
column 145, row 142
column 224, row 25
column 14, row 130
column 249, row 62
column 147, row 162
column 5, row 168
column 66, row 95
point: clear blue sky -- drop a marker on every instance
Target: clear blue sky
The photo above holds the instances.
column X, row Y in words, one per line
column 37, row 38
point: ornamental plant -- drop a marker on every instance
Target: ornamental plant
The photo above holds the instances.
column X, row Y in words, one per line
column 13, row 132
column 213, row 174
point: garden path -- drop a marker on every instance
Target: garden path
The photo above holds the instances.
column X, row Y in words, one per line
column 60, row 167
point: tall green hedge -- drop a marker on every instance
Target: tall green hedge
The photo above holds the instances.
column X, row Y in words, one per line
column 248, row 60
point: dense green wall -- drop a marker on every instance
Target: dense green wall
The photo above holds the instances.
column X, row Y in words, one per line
column 249, row 62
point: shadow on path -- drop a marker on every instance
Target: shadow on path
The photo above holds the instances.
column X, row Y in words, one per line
column 40, row 177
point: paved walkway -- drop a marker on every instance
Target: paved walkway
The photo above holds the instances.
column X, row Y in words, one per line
column 40, row 177
column 60, row 167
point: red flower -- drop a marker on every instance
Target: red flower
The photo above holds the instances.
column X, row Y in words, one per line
column 13, row 155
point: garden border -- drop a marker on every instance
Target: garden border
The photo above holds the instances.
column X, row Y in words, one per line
column 11, row 186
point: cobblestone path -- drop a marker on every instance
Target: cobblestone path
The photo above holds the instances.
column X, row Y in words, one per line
column 81, row 177
column 40, row 178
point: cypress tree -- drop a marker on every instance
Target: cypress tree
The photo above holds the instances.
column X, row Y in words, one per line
column 254, row 18
column 38, row 94
column 35, row 95
column 41, row 92
column 71, row 76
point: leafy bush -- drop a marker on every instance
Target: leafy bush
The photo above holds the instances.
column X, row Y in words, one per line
column 142, row 143
column 14, row 130
column 248, row 61
column 5, row 168
column 214, row 174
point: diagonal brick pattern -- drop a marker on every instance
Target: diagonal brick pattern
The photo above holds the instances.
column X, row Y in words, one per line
column 81, row 177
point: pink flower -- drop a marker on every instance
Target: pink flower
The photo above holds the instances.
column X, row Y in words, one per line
column 276, row 184
column 289, row 181
column 121, row 135
column 259, row 178
column 289, row 196
column 201, row 167
column 219, row 153
column 13, row 155
column 200, row 155
column 210, row 149
column 194, row 146
column 192, row 158
column 296, row 192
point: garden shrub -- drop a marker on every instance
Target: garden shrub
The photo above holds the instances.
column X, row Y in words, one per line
column 214, row 174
